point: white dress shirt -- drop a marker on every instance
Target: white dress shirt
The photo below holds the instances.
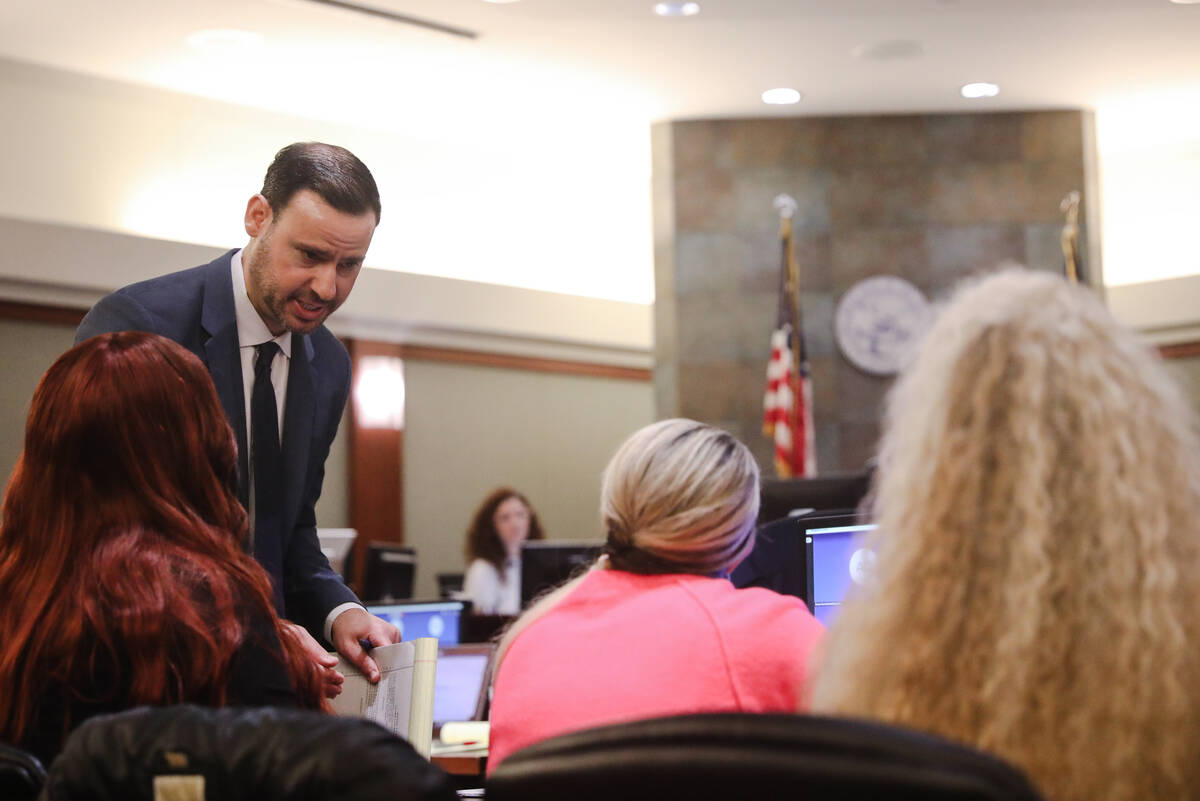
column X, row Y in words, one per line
column 491, row 593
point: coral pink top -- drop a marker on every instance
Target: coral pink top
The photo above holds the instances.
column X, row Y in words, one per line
column 623, row 646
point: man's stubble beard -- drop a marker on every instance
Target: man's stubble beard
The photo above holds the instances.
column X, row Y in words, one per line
column 267, row 290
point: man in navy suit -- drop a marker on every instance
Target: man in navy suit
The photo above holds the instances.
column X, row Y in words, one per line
column 256, row 317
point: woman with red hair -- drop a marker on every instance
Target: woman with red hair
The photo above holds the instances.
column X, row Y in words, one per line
column 123, row 578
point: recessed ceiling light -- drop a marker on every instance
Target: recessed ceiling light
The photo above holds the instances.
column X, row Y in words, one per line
column 974, row 90
column 676, row 9
column 781, row 96
column 224, row 39
column 499, row 2
column 1185, row 2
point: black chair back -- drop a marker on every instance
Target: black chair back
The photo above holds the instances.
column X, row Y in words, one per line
column 191, row 752
column 724, row 757
column 21, row 774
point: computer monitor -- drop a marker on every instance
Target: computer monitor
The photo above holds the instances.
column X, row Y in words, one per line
column 461, row 688
column 336, row 544
column 389, row 573
column 811, row 557
column 837, row 558
column 547, row 563
column 783, row 497
column 441, row 619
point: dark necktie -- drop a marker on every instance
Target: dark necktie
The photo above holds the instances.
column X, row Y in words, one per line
column 268, row 468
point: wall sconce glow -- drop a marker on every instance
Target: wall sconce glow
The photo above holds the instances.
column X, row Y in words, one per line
column 781, row 96
column 974, row 90
column 676, row 9
column 379, row 392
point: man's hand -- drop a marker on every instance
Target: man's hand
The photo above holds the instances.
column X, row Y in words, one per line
column 331, row 680
column 355, row 626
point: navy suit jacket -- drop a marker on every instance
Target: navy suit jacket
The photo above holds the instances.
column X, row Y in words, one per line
column 195, row 308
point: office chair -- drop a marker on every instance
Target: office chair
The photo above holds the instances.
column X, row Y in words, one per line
column 193, row 753
column 21, row 774
column 724, row 757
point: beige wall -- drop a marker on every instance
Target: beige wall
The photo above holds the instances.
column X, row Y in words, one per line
column 1187, row 372
column 26, row 350
column 470, row 429
column 474, row 205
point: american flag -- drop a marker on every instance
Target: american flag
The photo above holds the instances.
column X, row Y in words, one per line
column 787, row 406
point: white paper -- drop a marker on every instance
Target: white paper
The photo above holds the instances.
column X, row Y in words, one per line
column 388, row 703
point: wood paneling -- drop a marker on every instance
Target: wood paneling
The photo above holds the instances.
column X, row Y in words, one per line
column 485, row 359
column 376, row 464
column 1179, row 350
column 60, row 315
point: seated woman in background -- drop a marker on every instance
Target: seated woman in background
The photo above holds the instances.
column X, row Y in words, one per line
column 1037, row 577
column 122, row 572
column 501, row 523
column 655, row 628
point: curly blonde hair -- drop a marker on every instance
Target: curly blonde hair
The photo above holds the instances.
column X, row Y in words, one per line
column 1037, row 589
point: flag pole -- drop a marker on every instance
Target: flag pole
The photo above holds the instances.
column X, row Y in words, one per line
column 786, row 206
column 787, row 403
column 1070, row 236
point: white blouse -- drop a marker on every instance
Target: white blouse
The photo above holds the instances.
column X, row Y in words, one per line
column 493, row 593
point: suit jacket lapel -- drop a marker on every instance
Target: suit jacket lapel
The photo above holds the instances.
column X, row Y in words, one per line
column 224, row 363
column 298, row 418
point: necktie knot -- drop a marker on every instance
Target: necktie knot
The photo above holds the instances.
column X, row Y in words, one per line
column 266, row 355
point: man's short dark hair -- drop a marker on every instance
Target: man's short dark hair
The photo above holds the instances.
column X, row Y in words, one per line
column 332, row 172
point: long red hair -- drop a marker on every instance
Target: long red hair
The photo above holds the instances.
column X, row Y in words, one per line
column 121, row 542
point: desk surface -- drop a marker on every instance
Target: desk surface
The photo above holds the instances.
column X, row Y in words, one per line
column 459, row 761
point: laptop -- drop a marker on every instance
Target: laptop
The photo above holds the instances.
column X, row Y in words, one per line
column 464, row 675
column 441, row 619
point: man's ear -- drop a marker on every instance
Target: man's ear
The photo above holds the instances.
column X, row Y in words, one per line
column 258, row 215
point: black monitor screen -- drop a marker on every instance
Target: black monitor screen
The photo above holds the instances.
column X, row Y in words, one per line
column 546, row 564
column 389, row 572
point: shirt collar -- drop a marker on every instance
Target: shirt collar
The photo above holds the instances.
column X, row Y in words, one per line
column 252, row 331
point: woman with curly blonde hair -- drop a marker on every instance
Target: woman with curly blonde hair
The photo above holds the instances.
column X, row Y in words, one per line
column 1038, row 572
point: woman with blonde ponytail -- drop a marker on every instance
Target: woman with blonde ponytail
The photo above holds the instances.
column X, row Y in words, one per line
column 655, row 628
column 1037, row 581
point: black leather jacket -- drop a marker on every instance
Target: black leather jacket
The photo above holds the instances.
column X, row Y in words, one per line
column 263, row 754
